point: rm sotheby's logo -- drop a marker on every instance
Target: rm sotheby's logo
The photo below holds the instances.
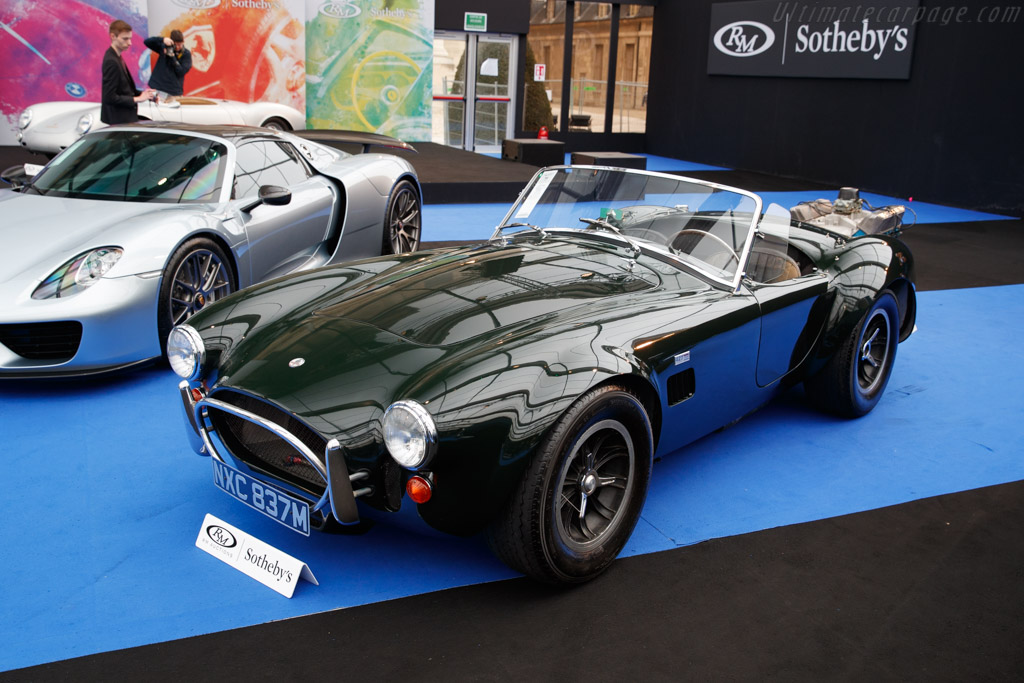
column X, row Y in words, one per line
column 744, row 38
column 221, row 536
column 339, row 10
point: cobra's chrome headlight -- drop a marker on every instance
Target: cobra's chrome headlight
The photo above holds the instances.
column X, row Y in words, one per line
column 25, row 119
column 185, row 351
column 78, row 274
column 409, row 434
column 84, row 124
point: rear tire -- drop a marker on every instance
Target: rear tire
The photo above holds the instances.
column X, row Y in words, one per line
column 198, row 273
column 854, row 379
column 581, row 497
column 403, row 220
column 276, row 123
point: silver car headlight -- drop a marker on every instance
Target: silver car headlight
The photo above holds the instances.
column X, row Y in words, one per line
column 186, row 351
column 25, row 119
column 84, row 124
column 409, row 434
column 78, row 274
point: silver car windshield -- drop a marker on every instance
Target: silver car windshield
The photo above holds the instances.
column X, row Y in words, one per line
column 137, row 166
column 702, row 225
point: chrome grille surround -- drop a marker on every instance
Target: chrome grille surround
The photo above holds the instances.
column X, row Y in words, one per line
column 278, row 444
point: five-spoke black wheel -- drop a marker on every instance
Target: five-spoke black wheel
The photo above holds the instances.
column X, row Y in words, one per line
column 853, row 380
column 198, row 274
column 578, row 502
column 403, row 221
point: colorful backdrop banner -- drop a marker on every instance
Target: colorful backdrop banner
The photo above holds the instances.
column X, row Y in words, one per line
column 52, row 50
column 368, row 66
column 244, row 50
column 348, row 64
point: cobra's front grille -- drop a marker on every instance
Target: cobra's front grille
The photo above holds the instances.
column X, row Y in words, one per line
column 43, row 341
column 264, row 450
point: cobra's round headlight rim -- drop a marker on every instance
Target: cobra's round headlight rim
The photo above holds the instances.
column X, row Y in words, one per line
column 410, row 434
column 186, row 352
column 25, row 119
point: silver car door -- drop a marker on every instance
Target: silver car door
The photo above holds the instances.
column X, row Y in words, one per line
column 282, row 238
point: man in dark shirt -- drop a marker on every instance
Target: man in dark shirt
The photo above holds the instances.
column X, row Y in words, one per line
column 174, row 62
column 120, row 101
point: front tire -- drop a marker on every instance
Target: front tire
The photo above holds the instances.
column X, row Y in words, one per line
column 854, row 379
column 581, row 497
column 403, row 221
column 198, row 273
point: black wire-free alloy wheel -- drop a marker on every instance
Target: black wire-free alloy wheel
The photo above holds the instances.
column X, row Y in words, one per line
column 854, row 379
column 579, row 500
column 403, row 221
column 198, row 274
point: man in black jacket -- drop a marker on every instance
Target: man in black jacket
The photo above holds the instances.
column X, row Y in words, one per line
column 120, row 101
column 174, row 62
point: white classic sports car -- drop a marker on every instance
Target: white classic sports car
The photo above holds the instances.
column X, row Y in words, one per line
column 49, row 127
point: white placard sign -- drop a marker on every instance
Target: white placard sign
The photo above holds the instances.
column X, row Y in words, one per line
column 251, row 556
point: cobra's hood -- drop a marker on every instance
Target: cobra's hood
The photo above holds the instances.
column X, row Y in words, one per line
column 41, row 233
column 399, row 326
column 449, row 301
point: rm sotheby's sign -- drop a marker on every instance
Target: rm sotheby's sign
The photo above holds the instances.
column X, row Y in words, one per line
column 815, row 39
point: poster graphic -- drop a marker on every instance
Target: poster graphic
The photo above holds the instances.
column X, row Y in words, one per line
column 54, row 49
column 368, row 66
column 244, row 50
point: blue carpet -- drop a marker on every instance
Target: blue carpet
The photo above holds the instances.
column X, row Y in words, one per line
column 104, row 499
column 654, row 163
column 446, row 222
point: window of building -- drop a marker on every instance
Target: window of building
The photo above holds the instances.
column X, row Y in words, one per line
column 590, row 83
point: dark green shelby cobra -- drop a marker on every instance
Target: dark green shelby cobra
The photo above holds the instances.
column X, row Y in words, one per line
column 522, row 387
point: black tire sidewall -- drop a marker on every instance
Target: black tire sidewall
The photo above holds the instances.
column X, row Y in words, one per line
column 281, row 123
column 566, row 564
column 861, row 401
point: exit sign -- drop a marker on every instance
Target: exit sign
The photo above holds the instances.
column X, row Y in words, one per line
column 475, row 21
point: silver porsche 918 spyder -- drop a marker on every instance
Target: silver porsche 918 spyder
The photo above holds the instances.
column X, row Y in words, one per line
column 134, row 228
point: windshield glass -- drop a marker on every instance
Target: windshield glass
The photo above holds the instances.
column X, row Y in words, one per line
column 699, row 224
column 137, row 166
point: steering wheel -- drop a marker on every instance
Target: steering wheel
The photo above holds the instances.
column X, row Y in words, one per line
column 718, row 239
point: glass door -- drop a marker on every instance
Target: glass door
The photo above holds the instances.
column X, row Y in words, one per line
column 473, row 112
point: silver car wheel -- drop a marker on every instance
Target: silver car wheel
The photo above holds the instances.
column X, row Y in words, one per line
column 199, row 280
column 404, row 220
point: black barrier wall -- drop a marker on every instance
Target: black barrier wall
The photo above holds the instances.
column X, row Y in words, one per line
column 951, row 134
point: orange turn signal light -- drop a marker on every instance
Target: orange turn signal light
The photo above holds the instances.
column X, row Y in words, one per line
column 197, row 395
column 419, row 489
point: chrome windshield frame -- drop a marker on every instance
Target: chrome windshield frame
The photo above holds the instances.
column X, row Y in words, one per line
column 734, row 283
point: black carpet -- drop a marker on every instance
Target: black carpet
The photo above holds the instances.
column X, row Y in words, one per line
column 928, row 590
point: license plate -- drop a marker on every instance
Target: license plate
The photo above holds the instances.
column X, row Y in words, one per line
column 271, row 501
